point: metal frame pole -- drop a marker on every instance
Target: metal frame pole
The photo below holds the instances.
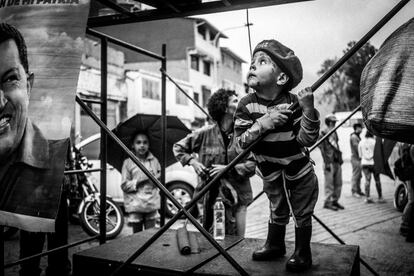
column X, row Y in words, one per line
column 104, row 106
column 163, row 130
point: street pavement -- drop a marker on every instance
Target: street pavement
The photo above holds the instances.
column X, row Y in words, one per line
column 373, row 227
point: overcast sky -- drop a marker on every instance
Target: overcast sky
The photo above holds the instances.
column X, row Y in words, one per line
column 315, row 30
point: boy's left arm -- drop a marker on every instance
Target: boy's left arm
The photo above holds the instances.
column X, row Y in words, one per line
column 309, row 124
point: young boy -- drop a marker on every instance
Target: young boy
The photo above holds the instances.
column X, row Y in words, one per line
column 282, row 157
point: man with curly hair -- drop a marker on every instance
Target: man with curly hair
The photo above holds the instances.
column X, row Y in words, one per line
column 215, row 147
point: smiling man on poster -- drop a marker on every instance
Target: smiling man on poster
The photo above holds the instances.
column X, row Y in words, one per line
column 31, row 167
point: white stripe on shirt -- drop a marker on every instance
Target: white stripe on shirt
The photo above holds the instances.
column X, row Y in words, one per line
column 256, row 108
column 282, row 161
column 279, row 136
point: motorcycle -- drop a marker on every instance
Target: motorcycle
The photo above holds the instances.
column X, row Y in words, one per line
column 84, row 201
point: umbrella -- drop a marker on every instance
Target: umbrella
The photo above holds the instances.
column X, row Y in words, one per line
column 151, row 125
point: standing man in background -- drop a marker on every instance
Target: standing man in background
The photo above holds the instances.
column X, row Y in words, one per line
column 332, row 159
column 356, row 161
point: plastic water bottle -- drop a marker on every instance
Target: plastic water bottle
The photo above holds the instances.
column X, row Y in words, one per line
column 219, row 217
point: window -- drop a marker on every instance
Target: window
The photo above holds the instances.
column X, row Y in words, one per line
column 202, row 31
column 194, row 62
column 180, row 98
column 206, row 95
column 207, row 68
column 196, row 97
column 150, row 89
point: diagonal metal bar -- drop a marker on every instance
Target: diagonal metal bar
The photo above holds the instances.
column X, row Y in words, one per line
column 186, row 94
column 51, row 251
column 183, row 210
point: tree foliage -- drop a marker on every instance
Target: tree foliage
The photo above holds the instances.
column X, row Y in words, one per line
column 343, row 86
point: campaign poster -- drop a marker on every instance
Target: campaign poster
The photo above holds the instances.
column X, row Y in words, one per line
column 41, row 42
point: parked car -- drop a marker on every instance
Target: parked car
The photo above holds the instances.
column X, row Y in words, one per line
column 180, row 181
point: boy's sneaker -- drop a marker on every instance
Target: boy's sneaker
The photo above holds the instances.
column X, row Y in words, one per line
column 381, row 200
column 368, row 200
column 361, row 193
column 356, row 195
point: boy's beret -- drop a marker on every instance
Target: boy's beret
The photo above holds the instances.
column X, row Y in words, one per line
column 284, row 57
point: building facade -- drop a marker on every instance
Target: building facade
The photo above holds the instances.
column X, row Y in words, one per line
column 129, row 92
column 193, row 54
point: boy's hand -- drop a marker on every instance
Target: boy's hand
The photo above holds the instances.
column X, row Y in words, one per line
column 216, row 168
column 280, row 117
column 198, row 167
column 274, row 119
column 305, row 98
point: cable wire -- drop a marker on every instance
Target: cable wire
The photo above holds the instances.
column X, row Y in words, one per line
column 248, row 32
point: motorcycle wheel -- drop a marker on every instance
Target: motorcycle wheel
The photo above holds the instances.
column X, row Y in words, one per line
column 89, row 218
column 9, row 232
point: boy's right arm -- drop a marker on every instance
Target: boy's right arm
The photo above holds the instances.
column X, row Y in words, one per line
column 247, row 130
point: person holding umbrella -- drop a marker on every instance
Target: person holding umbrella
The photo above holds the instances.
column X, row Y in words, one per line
column 143, row 134
column 216, row 147
column 141, row 196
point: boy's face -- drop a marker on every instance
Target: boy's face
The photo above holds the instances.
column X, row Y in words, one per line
column 263, row 71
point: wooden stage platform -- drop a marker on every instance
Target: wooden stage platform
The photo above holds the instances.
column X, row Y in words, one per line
column 164, row 258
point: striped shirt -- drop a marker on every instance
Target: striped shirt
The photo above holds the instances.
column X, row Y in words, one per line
column 284, row 148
